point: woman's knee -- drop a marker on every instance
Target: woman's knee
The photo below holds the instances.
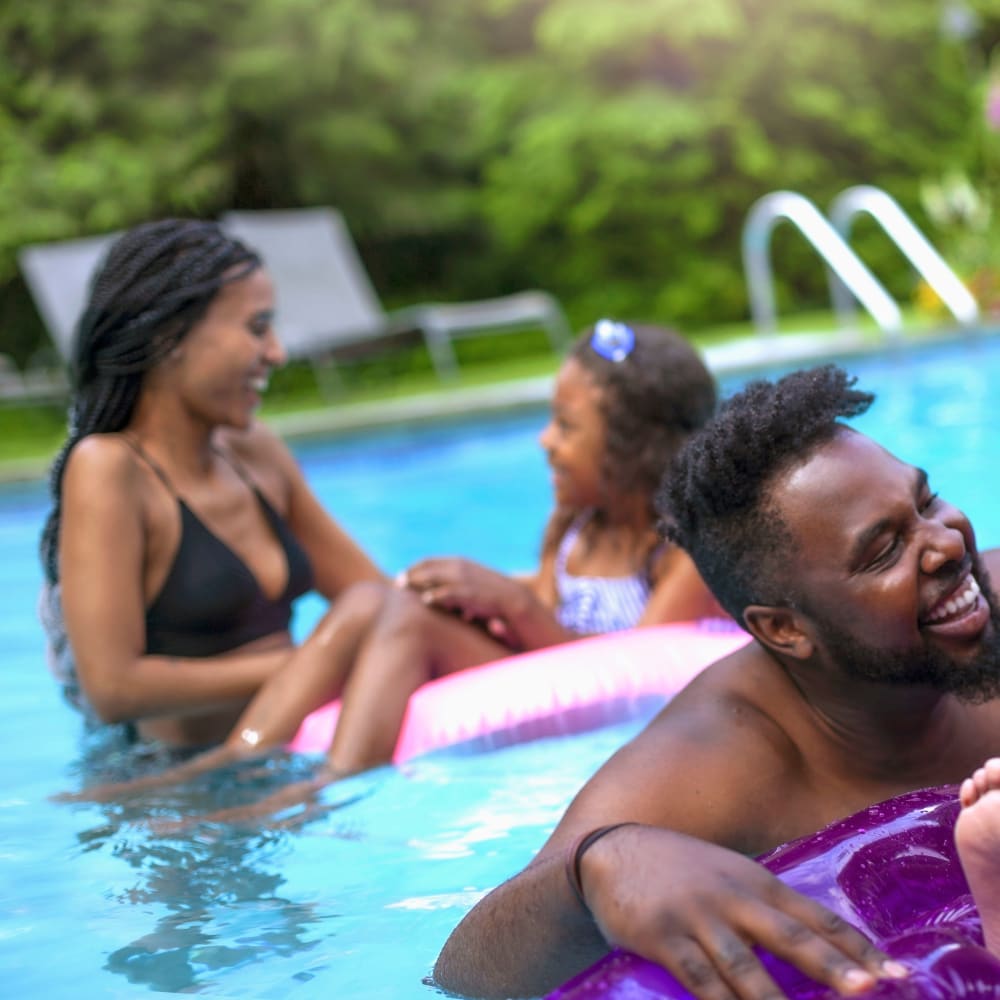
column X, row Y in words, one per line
column 405, row 616
column 353, row 612
column 363, row 602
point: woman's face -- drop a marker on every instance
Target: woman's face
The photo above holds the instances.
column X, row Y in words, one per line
column 224, row 363
column 574, row 438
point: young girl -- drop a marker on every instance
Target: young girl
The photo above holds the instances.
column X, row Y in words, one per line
column 625, row 400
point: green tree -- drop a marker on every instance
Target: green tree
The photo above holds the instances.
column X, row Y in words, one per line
column 627, row 149
column 607, row 151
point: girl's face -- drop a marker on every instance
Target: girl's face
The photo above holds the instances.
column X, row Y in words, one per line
column 574, row 438
column 227, row 357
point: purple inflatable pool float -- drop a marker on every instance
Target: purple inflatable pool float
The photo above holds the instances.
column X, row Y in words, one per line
column 891, row 871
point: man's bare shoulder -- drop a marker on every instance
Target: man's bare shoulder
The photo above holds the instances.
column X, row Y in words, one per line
column 716, row 762
column 740, row 698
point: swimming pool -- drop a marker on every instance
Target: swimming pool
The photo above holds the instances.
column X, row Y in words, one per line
column 357, row 902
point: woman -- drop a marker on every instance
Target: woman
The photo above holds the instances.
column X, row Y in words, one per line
column 625, row 399
column 181, row 529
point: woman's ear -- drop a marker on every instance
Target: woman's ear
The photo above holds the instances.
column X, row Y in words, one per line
column 781, row 630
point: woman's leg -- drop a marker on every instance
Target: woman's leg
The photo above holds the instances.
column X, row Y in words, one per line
column 406, row 646
column 409, row 645
column 315, row 673
column 977, row 834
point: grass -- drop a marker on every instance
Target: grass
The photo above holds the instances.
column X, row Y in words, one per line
column 30, row 435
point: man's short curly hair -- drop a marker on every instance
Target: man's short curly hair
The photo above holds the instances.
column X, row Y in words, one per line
column 716, row 500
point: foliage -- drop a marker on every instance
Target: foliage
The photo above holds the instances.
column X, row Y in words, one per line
column 650, row 132
column 963, row 203
column 607, row 151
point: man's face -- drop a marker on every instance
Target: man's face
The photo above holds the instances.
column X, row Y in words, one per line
column 888, row 572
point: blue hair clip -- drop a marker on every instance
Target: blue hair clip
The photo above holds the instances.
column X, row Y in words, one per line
column 612, row 340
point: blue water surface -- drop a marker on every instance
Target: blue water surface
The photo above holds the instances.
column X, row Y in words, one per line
column 355, row 902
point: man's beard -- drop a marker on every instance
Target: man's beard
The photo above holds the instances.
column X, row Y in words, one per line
column 977, row 681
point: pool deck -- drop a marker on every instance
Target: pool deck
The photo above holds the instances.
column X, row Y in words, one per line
column 741, row 356
column 735, row 357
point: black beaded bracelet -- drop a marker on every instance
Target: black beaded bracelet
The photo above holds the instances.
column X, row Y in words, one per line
column 579, row 847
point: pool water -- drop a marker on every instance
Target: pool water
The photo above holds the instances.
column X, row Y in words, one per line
column 355, row 899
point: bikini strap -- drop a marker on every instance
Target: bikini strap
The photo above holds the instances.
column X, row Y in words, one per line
column 133, row 443
column 237, row 466
column 569, row 538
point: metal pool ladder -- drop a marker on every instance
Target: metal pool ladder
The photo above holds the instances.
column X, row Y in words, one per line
column 848, row 276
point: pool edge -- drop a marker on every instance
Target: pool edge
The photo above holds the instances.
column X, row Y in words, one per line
column 742, row 356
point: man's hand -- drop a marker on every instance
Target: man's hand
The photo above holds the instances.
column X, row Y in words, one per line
column 699, row 910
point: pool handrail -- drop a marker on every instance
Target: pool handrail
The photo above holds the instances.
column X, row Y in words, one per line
column 763, row 216
column 912, row 243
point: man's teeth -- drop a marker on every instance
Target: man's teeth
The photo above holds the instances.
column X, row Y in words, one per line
column 954, row 605
column 259, row 384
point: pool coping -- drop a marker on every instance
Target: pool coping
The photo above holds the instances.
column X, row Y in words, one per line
column 740, row 356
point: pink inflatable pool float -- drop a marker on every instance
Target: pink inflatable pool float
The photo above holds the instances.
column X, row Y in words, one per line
column 562, row 689
column 891, row 871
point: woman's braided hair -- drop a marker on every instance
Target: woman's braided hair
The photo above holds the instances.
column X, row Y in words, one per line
column 155, row 284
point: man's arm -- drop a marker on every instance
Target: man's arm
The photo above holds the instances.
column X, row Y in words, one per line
column 523, row 939
column 697, row 777
column 694, row 908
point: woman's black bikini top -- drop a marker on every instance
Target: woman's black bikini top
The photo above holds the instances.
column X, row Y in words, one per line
column 210, row 602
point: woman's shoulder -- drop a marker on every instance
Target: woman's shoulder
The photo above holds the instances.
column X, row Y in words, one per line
column 103, row 475
column 101, row 458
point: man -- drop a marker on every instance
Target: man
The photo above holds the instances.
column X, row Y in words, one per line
column 875, row 670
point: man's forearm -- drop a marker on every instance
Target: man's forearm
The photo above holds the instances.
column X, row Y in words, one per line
column 523, row 939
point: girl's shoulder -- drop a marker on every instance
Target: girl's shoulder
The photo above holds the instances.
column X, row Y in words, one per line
column 668, row 559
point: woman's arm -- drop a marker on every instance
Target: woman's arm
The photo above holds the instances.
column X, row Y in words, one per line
column 101, row 555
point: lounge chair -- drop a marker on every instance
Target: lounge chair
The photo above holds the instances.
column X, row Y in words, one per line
column 58, row 277
column 327, row 306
